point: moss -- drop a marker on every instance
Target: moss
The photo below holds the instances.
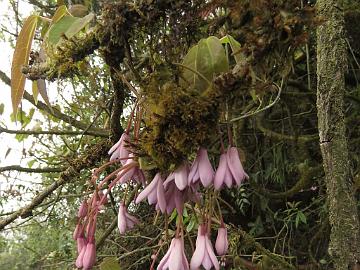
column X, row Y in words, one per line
column 177, row 122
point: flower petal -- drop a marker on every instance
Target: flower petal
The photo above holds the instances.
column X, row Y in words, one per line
column 165, row 259
column 210, row 251
column 181, row 177
column 235, row 165
column 149, row 188
column 199, row 253
column 193, row 172
column 206, row 171
column 175, row 259
column 220, row 172
column 160, row 193
column 122, row 218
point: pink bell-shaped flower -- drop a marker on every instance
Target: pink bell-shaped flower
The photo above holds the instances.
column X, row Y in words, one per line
column 125, row 220
column 179, row 176
column 201, row 169
column 174, row 258
column 223, row 174
column 230, row 171
column 154, row 192
column 119, row 150
column 235, row 166
column 221, row 244
column 204, row 254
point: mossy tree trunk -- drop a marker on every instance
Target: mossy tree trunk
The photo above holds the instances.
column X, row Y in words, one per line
column 331, row 66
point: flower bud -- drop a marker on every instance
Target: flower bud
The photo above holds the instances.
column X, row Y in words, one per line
column 89, row 258
column 221, row 244
column 83, row 210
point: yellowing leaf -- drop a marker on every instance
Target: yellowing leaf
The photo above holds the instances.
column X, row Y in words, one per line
column 35, row 91
column 78, row 10
column 59, row 13
column 110, row 263
column 21, row 58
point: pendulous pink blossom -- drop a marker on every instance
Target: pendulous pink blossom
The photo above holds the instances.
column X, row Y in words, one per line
column 204, row 254
column 230, row 170
column 119, row 150
column 221, row 244
column 125, row 220
column 179, row 176
column 235, row 165
column 154, row 192
column 175, row 258
column 201, row 169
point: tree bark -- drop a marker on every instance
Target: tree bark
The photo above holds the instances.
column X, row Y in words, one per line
column 344, row 245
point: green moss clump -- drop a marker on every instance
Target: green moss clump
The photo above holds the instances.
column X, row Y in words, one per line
column 177, row 122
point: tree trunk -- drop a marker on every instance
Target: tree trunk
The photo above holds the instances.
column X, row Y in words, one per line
column 331, row 66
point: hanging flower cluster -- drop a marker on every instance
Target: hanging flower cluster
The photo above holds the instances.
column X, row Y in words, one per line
column 167, row 191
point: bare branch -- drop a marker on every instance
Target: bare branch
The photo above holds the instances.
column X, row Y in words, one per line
column 30, row 170
column 51, row 132
column 93, row 155
column 55, row 112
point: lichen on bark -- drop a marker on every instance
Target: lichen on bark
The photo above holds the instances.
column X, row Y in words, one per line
column 331, row 65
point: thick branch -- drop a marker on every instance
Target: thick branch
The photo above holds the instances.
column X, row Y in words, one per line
column 87, row 161
column 30, row 170
column 117, row 108
column 331, row 65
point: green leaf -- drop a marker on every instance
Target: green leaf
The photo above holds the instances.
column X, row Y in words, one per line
column 235, row 47
column 31, row 163
column 207, row 59
column 21, row 137
column 78, row 25
column 191, row 225
column 58, row 29
column 110, row 263
column 21, row 58
column 2, row 106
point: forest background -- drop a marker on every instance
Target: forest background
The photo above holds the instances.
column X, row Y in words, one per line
column 292, row 101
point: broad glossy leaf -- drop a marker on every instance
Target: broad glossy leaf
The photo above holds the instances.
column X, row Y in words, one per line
column 59, row 28
column 207, row 58
column 78, row 25
column 110, row 263
column 21, row 58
